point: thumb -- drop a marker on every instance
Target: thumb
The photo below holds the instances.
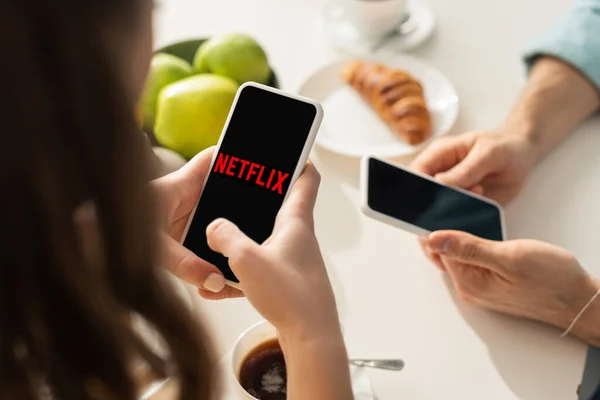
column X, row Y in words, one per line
column 226, row 238
column 471, row 170
column 302, row 197
column 467, row 249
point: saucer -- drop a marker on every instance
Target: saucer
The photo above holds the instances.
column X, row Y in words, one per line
column 343, row 35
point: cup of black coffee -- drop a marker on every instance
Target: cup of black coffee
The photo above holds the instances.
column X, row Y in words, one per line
column 258, row 364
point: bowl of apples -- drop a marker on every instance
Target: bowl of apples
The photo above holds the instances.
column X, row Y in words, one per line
column 190, row 88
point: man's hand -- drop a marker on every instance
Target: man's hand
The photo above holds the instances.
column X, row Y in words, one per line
column 555, row 100
column 494, row 163
column 525, row 278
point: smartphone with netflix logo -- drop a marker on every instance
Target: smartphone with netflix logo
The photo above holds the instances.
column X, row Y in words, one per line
column 263, row 149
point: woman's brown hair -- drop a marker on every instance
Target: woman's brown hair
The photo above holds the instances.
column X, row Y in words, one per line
column 69, row 139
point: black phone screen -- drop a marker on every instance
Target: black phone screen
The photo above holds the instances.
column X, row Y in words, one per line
column 253, row 168
column 429, row 205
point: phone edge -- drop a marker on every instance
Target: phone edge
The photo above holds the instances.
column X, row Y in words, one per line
column 368, row 211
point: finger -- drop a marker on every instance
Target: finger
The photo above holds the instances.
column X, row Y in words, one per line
column 468, row 249
column 471, row 170
column 302, row 197
column 477, row 189
column 461, row 276
column 433, row 257
column 190, row 268
column 228, row 292
column 226, row 238
column 441, row 155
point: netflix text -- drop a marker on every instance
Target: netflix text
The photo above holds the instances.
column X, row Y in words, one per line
column 261, row 175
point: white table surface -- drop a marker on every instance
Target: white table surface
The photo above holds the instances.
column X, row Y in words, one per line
column 393, row 302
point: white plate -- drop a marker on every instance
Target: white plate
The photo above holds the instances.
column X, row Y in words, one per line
column 352, row 128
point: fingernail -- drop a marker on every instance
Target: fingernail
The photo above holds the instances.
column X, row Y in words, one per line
column 441, row 176
column 214, row 282
column 446, row 178
column 439, row 245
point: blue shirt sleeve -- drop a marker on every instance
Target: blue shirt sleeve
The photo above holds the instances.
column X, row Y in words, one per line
column 574, row 38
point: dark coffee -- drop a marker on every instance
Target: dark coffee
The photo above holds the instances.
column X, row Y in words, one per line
column 263, row 372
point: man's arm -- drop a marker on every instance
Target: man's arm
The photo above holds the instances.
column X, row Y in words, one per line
column 564, row 66
column 566, row 92
column 555, row 100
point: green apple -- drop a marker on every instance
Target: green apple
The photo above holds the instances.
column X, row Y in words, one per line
column 236, row 56
column 164, row 70
column 192, row 113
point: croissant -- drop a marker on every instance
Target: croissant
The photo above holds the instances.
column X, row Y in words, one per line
column 395, row 95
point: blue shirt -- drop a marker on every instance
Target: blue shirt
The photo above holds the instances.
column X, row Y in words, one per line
column 575, row 39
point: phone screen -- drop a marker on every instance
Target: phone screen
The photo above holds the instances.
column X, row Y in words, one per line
column 253, row 168
column 428, row 205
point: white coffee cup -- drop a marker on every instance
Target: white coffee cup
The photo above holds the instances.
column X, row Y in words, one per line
column 371, row 18
column 249, row 340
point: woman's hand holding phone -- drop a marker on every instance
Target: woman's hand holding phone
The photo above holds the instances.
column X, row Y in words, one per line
column 288, row 258
column 178, row 193
column 284, row 278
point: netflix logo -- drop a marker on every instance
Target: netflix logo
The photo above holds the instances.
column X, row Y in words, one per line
column 261, row 175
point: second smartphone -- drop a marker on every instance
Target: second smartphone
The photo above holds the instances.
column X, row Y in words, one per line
column 263, row 149
column 420, row 205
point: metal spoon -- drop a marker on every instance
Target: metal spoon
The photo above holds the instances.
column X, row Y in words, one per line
column 392, row 365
